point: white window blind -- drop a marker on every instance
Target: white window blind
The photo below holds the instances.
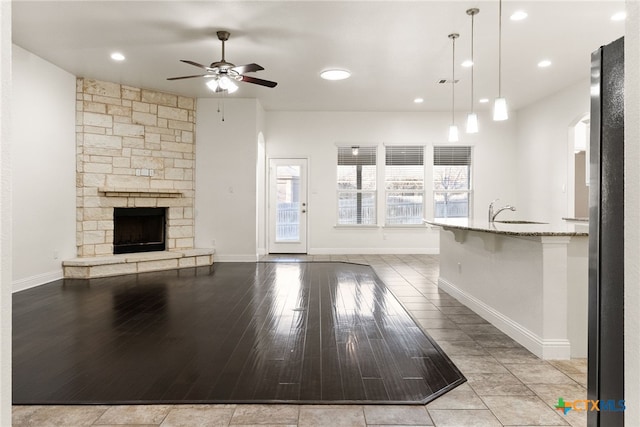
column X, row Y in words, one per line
column 452, row 156
column 366, row 156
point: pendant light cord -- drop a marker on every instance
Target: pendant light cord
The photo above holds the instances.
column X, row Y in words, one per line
column 500, row 49
column 453, row 79
column 473, row 64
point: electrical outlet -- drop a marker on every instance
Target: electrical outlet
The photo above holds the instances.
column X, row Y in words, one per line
column 459, row 268
column 213, row 242
column 56, row 254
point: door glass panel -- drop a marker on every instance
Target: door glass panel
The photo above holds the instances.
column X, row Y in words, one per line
column 288, row 204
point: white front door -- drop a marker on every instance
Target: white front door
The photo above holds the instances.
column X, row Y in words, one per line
column 288, row 206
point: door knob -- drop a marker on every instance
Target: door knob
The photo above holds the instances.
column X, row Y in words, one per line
column 304, row 211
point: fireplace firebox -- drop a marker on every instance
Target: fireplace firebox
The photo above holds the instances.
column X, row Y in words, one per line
column 139, row 230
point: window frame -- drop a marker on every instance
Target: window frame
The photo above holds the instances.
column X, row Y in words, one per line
column 423, row 192
column 374, row 191
column 468, row 191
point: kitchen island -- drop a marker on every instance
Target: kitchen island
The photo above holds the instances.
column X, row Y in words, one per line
column 530, row 280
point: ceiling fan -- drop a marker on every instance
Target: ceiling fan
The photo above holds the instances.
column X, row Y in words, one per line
column 222, row 75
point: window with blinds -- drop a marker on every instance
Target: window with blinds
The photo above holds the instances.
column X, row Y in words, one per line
column 404, row 184
column 357, row 185
column 452, row 182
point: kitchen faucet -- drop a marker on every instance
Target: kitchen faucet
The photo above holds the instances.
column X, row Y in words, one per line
column 492, row 216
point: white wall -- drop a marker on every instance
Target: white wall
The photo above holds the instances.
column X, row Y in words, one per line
column 632, row 214
column 542, row 154
column 226, row 158
column 5, row 213
column 314, row 135
column 261, row 184
column 44, row 165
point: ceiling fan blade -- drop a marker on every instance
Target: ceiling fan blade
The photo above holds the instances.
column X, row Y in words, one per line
column 195, row 64
column 187, row 77
column 260, row 82
column 248, row 68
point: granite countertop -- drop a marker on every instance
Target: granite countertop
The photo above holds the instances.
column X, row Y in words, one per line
column 560, row 228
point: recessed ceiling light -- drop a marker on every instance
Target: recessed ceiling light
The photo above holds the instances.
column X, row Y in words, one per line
column 620, row 16
column 335, row 74
column 418, row 100
column 483, row 100
column 117, row 56
column 467, row 63
column 519, row 15
column 544, row 63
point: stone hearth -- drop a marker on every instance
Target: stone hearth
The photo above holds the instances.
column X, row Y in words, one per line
column 115, row 265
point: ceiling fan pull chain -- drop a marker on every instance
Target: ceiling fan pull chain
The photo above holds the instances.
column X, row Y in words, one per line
column 221, row 110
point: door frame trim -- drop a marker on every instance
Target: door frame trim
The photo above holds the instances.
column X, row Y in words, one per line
column 268, row 202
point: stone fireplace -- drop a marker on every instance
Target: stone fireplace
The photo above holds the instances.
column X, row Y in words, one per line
column 135, row 149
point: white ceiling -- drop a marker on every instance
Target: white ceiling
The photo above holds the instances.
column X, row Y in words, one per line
column 396, row 50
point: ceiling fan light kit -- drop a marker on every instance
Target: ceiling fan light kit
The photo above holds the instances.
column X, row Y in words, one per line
column 223, row 75
column 224, row 83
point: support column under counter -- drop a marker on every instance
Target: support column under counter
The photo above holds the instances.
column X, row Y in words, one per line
column 528, row 280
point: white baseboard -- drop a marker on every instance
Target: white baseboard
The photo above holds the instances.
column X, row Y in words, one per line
column 37, row 280
column 544, row 349
column 373, row 251
column 234, row 258
column 262, row 251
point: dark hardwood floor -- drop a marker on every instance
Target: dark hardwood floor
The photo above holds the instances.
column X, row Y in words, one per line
column 233, row 332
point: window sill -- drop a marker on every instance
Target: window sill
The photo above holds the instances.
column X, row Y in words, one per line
column 356, row 227
column 403, row 226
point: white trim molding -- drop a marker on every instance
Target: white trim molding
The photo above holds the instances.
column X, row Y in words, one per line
column 236, row 258
column 37, row 280
column 373, row 251
column 543, row 348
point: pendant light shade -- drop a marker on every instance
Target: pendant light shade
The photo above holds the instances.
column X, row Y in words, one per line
column 500, row 110
column 472, row 123
column 472, row 118
column 453, row 134
column 453, row 129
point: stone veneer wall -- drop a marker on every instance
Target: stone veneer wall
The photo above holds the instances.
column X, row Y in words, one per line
column 121, row 130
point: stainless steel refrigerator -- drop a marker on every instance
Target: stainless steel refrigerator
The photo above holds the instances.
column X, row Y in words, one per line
column 606, row 237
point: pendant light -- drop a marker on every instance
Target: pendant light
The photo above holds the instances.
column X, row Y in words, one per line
column 453, row 129
column 472, row 118
column 500, row 105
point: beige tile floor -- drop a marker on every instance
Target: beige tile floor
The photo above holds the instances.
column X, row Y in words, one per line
column 507, row 385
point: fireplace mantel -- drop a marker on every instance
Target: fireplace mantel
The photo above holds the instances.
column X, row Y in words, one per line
column 139, row 192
